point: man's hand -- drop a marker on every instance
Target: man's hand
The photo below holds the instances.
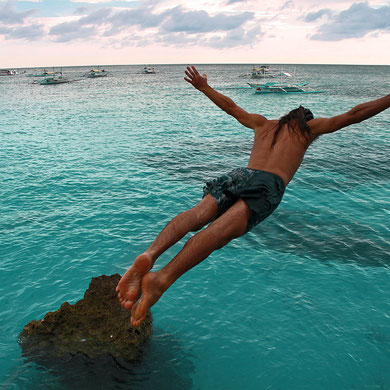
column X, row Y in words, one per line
column 194, row 78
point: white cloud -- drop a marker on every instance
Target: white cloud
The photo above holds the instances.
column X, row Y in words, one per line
column 170, row 26
column 9, row 15
column 177, row 19
column 313, row 16
column 355, row 22
column 29, row 33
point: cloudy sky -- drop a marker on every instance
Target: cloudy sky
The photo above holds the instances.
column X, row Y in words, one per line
column 86, row 32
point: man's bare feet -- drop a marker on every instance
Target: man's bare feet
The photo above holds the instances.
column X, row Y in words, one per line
column 128, row 287
column 152, row 286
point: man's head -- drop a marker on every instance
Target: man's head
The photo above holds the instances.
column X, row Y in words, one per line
column 296, row 120
column 300, row 113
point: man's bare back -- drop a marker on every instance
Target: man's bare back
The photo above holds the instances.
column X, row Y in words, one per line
column 231, row 203
column 284, row 158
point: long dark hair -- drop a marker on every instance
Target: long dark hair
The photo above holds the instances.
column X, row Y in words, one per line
column 295, row 121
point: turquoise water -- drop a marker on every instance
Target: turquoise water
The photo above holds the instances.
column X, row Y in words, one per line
column 91, row 171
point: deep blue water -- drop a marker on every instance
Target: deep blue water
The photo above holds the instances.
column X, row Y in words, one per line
column 91, row 171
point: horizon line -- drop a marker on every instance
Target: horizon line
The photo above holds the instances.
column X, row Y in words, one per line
column 194, row 63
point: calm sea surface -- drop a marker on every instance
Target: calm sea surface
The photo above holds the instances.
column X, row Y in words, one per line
column 91, row 171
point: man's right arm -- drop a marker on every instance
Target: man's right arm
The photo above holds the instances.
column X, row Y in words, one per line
column 223, row 102
column 357, row 114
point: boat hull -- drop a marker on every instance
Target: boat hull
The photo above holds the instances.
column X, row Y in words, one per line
column 280, row 92
column 96, row 75
column 53, row 82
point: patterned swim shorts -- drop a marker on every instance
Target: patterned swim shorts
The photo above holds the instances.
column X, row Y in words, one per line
column 261, row 191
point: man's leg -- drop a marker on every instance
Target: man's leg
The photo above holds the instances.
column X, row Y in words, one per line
column 230, row 225
column 190, row 220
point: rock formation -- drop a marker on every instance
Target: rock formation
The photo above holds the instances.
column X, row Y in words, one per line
column 96, row 326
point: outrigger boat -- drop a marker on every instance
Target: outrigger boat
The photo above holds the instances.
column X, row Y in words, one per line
column 148, row 70
column 95, row 73
column 8, row 72
column 281, row 88
column 265, row 71
column 42, row 73
column 55, row 79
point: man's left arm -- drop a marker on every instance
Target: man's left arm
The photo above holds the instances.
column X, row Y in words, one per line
column 223, row 102
column 357, row 114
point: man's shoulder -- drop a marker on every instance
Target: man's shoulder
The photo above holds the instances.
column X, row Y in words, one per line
column 319, row 126
column 266, row 124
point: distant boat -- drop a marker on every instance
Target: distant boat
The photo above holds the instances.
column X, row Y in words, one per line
column 42, row 73
column 54, row 79
column 148, row 70
column 8, row 72
column 264, row 71
column 281, row 88
column 95, row 73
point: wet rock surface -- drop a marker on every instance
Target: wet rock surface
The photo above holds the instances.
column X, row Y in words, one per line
column 94, row 327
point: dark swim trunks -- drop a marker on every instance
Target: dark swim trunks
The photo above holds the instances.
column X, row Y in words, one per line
column 262, row 192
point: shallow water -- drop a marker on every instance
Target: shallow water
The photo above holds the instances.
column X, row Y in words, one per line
column 92, row 170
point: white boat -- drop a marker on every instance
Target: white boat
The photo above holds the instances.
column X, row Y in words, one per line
column 95, row 73
column 281, row 88
column 8, row 72
column 265, row 71
column 148, row 70
column 54, row 79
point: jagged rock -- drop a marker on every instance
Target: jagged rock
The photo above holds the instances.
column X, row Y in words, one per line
column 95, row 326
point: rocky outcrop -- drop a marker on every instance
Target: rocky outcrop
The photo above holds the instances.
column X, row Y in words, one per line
column 96, row 326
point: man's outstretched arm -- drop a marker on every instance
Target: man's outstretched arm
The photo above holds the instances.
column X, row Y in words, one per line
column 357, row 114
column 225, row 103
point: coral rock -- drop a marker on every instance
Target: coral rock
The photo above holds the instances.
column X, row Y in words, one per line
column 95, row 326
